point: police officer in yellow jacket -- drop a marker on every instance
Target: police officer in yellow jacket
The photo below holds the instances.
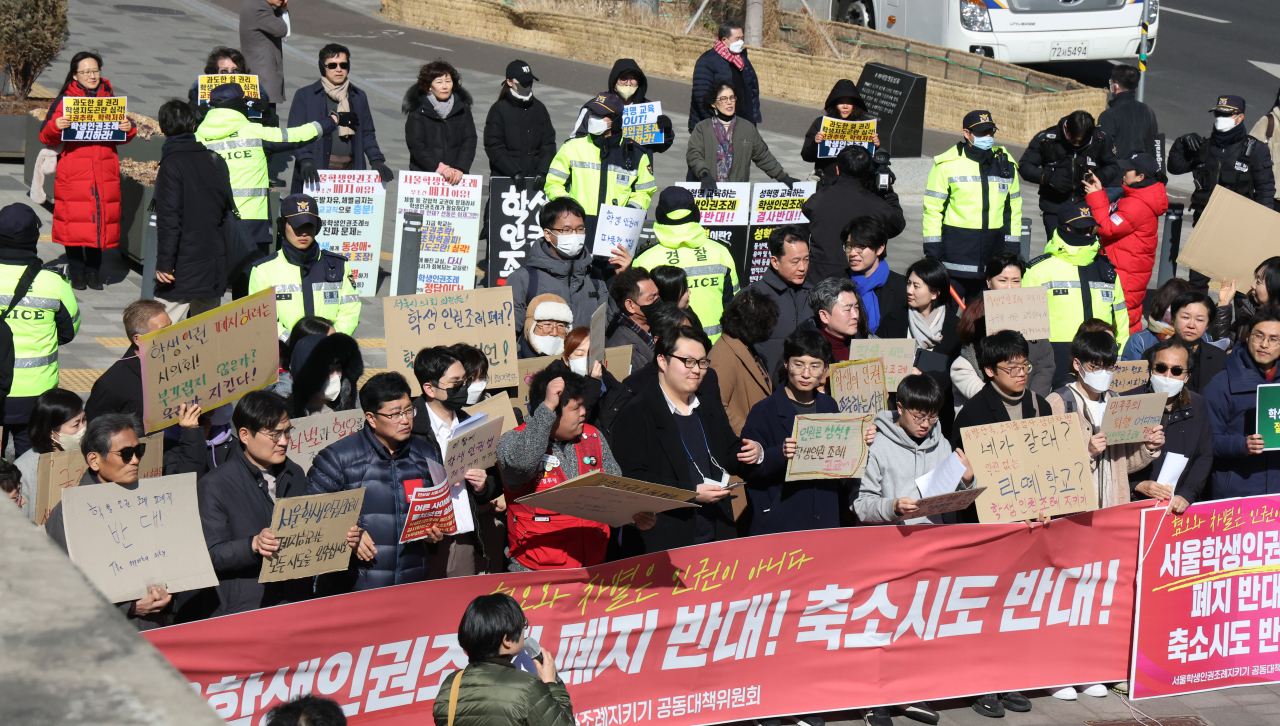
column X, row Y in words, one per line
column 1082, row 284
column 308, row 280
column 972, row 204
column 683, row 243
column 44, row 316
column 602, row 167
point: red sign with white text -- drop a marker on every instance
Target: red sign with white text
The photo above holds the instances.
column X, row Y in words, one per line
column 803, row 622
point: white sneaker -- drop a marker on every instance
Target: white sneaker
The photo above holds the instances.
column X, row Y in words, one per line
column 1066, row 694
column 1097, row 690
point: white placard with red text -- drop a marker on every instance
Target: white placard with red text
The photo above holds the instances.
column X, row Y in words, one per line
column 352, row 204
column 448, row 219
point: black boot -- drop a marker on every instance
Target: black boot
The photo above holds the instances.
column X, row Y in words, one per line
column 77, row 279
column 91, row 279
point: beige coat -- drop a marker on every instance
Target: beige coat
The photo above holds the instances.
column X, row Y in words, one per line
column 1259, row 131
column 261, row 32
column 1123, row 459
column 742, row 383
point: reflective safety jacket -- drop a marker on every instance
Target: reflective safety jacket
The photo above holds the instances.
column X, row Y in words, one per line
column 576, row 172
column 1067, row 271
column 712, row 279
column 972, row 208
column 321, row 287
column 239, row 141
column 46, row 317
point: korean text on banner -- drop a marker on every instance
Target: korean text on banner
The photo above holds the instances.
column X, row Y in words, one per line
column 209, row 360
column 128, row 538
column 828, row 446
column 514, row 228
column 312, row 532
column 429, row 507
column 609, row 499
column 1130, row 419
column 443, row 222
column 475, row 449
column 1208, row 615
column 1030, row 467
column 1130, row 374
column 94, row 119
column 352, row 204
column 838, row 133
column 1024, row 309
column 206, row 83
column 483, row 318
column 1235, row 223
column 899, row 356
column 772, row 205
column 56, row 471
column 640, row 122
column 784, row 619
column 858, row 386
column 724, row 207
column 617, row 227
column 311, row 434
column 1269, row 415
column 495, row 406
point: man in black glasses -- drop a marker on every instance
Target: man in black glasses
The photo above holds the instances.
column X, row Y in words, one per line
column 113, row 452
column 353, row 141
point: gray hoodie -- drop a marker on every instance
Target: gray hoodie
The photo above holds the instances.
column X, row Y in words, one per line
column 572, row 280
column 894, row 463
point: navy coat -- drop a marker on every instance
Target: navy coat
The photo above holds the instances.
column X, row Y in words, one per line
column 361, row 461
column 711, row 68
column 1232, row 399
column 778, row 505
column 310, row 103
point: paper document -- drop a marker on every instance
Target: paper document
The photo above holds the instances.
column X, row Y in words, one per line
column 462, row 507
column 1172, row 469
column 942, row 480
column 471, row 423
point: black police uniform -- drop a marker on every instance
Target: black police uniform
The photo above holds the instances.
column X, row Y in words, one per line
column 1060, row 168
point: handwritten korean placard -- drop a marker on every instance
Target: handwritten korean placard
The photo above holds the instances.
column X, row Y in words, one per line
column 312, row 531
column 56, row 471
column 475, row 449
column 1130, row 374
column 311, row 434
column 484, row 318
column 1030, row 467
column 828, row 446
column 617, row 227
column 1129, row 419
column 899, row 356
column 859, row 386
column 1024, row 309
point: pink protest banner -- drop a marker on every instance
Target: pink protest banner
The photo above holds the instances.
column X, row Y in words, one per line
column 1208, row 613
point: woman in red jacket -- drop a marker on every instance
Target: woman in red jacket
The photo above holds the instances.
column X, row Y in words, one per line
column 1130, row 228
column 86, row 210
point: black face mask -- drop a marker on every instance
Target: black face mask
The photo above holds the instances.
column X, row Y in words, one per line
column 723, row 117
column 455, row 398
column 1074, row 238
column 648, row 310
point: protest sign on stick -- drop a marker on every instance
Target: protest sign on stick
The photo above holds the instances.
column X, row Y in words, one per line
column 1030, row 467
column 437, row 229
column 828, row 446
column 312, row 532
column 859, row 386
column 311, row 434
column 1024, row 309
column 772, row 206
column 1129, row 419
column 484, row 318
column 351, row 206
column 514, row 228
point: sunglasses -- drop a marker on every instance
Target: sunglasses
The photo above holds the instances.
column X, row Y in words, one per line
column 1163, row 368
column 343, row 66
column 128, row 452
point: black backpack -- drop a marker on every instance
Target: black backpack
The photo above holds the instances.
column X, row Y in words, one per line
column 6, row 335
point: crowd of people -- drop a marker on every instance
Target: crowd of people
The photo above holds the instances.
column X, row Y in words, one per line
column 718, row 370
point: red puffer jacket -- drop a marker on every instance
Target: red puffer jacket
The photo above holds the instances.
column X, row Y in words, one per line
column 1129, row 231
column 86, row 210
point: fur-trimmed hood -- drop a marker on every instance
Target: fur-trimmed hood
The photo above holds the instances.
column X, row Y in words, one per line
column 414, row 101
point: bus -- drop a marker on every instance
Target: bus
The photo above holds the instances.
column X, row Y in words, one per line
column 1014, row 31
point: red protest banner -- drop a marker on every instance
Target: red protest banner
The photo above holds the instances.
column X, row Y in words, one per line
column 1209, row 598
column 750, row 628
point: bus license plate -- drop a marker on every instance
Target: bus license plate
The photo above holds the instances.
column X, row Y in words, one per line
column 1070, row 50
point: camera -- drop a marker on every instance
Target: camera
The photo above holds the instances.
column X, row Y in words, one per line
column 882, row 178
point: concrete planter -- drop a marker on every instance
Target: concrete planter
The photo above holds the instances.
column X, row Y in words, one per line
column 13, row 137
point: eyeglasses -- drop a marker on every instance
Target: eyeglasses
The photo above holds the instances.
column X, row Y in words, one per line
column 550, row 326
column 1091, row 368
column 275, row 436
column 1259, row 339
column 574, row 230
column 927, row 418
column 1163, row 368
column 797, row 366
column 727, row 99
column 1021, row 370
column 343, row 66
column 95, row 72
column 403, row 414
column 690, row 363
column 128, row 452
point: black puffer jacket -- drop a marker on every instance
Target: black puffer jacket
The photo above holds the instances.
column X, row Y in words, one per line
column 1059, row 168
column 309, row 366
column 620, row 66
column 519, row 137
column 433, row 140
column 844, row 88
column 192, row 193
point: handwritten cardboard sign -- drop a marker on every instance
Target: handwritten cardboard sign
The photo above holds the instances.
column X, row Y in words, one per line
column 1030, row 467
column 475, row 449
column 495, row 406
column 859, row 386
column 152, row 464
column 313, row 534
column 617, row 360
column 617, row 227
column 611, row 500
column 1130, row 374
column 899, row 355
column 828, row 446
column 56, row 471
column 528, row 367
column 1024, row 309
column 128, row 538
column 595, row 351
column 949, row 502
column 1231, row 238
column 209, row 360
column 429, row 507
column 484, row 318
column 1129, row 419
column 94, row 118
column 311, row 434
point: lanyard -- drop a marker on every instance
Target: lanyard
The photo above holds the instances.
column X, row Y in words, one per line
column 714, row 463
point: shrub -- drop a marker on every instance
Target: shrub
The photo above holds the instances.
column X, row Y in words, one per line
column 32, row 34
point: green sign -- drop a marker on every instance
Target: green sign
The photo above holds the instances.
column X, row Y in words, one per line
column 1269, row 414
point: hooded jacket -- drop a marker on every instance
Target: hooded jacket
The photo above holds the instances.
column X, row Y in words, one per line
column 433, row 140
column 519, row 137
column 844, row 88
column 309, row 366
column 713, row 278
column 192, row 196
column 831, row 208
column 1067, row 270
column 1129, row 231
column 894, row 462
column 1233, row 400
column 576, row 281
column 620, row 66
column 1059, row 168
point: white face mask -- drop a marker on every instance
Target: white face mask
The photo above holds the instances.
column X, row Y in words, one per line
column 626, row 92
column 570, row 245
column 71, row 442
column 578, row 365
column 597, row 125
column 546, row 344
column 475, row 391
column 736, row 46
column 1166, row 385
column 333, row 387
column 1096, row 380
column 1224, row 123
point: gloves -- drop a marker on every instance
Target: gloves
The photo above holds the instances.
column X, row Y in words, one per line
column 307, row 170
column 519, row 180
column 708, row 183
column 385, row 172
column 348, row 119
column 1192, row 142
column 534, row 184
column 789, row 180
column 327, row 124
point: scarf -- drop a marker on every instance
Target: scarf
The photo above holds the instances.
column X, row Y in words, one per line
column 867, row 287
column 626, row 321
column 339, row 94
column 1160, row 328
column 443, row 108
column 969, row 353
column 927, row 331
column 724, row 147
column 1227, row 138
column 734, row 58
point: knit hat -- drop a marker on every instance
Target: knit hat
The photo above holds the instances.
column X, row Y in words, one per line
column 546, row 307
column 19, row 230
column 671, row 202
